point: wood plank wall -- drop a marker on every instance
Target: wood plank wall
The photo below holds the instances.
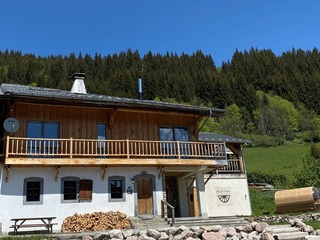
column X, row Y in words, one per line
column 81, row 122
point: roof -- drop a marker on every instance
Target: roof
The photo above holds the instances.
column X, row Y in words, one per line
column 39, row 94
column 216, row 137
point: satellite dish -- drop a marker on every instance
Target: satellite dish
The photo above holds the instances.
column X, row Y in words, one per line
column 11, row 125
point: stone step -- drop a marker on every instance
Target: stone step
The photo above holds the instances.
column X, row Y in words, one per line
column 223, row 221
column 153, row 223
column 158, row 222
column 290, row 235
column 285, row 230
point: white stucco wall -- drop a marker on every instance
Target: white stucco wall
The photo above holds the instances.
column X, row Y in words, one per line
column 233, row 192
column 11, row 195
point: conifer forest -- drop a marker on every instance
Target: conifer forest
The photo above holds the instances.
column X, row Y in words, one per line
column 276, row 97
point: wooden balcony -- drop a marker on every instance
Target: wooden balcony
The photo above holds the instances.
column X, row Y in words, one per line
column 77, row 152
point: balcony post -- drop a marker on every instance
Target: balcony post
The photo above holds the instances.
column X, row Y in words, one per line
column 7, row 146
column 128, row 154
column 71, row 147
column 178, row 145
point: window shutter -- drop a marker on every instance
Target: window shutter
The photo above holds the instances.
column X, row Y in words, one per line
column 85, row 192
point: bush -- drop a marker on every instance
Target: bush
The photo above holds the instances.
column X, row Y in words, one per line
column 277, row 180
column 310, row 173
column 263, row 140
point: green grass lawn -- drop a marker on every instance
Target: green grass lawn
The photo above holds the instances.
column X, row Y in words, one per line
column 285, row 160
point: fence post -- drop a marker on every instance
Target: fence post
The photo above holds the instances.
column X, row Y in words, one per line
column 128, row 149
column 71, row 147
column 7, row 146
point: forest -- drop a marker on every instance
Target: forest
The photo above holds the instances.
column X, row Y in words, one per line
column 271, row 99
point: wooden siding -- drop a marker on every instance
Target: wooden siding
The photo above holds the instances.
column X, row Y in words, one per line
column 81, row 122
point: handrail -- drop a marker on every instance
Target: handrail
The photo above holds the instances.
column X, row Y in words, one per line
column 172, row 212
column 83, row 148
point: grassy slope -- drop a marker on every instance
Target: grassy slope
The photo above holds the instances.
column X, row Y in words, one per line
column 286, row 159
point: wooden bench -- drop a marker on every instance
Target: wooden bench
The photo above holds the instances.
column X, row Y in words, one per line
column 44, row 222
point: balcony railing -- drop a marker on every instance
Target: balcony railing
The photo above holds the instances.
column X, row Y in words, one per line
column 233, row 167
column 88, row 148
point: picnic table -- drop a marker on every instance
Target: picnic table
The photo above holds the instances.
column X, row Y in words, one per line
column 35, row 222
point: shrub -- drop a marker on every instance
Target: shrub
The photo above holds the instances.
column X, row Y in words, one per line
column 277, row 180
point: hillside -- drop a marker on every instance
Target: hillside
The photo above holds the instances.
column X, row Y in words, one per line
column 284, row 159
column 264, row 94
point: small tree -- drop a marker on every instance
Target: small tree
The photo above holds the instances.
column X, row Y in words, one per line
column 310, row 172
column 232, row 122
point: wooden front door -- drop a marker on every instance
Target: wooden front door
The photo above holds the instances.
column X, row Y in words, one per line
column 193, row 205
column 145, row 199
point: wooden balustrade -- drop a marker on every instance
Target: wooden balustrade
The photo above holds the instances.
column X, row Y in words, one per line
column 233, row 167
column 89, row 148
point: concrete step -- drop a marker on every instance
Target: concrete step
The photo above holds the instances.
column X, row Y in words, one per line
column 283, row 229
column 153, row 223
column 198, row 221
column 286, row 232
column 290, row 235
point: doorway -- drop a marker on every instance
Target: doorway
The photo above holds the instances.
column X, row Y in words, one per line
column 145, row 195
column 172, row 195
column 193, row 205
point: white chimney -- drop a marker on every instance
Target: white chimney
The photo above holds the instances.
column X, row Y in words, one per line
column 78, row 84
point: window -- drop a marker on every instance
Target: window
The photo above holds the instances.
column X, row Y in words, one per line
column 33, row 190
column 75, row 190
column 37, row 129
column 101, row 128
column 174, row 134
column 116, row 189
column 70, row 189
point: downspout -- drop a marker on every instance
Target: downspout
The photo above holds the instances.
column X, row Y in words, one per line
column 205, row 121
column 245, row 169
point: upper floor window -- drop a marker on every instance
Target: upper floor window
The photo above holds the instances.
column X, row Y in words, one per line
column 101, row 129
column 36, row 129
column 33, row 190
column 174, row 134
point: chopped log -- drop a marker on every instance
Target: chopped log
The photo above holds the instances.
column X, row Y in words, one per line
column 97, row 221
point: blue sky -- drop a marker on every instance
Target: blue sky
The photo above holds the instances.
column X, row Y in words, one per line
column 216, row 27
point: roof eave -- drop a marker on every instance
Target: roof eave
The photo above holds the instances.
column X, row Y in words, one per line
column 112, row 104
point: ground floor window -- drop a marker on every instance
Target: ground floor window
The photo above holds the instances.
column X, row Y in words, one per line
column 33, row 190
column 70, row 188
column 116, row 188
column 75, row 189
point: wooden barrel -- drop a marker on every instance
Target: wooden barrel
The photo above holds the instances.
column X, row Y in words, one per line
column 295, row 200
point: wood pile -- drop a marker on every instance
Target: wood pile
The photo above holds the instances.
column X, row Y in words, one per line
column 97, row 221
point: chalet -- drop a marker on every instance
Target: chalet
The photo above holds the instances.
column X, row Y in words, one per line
column 67, row 152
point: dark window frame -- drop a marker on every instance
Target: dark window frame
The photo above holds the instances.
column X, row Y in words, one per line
column 123, row 187
column 26, row 183
column 49, row 149
column 70, row 179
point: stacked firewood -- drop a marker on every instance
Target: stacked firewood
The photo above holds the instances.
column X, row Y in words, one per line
column 97, row 221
